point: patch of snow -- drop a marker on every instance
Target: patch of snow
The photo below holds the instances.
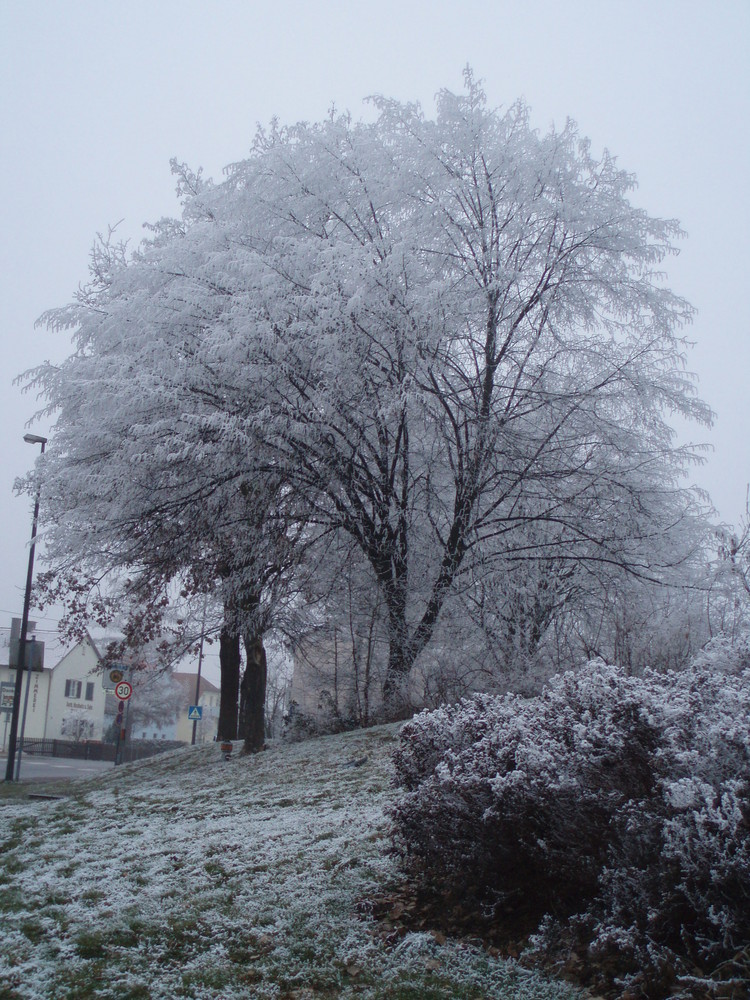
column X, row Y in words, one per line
column 190, row 876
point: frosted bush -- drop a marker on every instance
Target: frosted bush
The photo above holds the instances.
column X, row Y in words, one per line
column 612, row 812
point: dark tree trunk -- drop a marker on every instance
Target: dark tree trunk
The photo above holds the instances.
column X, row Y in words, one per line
column 253, row 696
column 392, row 577
column 396, row 702
column 406, row 644
column 229, row 662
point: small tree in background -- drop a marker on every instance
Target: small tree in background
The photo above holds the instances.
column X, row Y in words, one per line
column 156, row 700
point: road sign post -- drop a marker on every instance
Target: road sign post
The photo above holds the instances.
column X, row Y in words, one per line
column 118, row 727
column 123, row 691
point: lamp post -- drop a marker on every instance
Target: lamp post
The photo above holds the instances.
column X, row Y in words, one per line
column 29, row 439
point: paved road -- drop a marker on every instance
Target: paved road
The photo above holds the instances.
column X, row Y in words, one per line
column 43, row 768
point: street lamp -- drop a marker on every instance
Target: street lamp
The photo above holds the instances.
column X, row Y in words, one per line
column 29, row 439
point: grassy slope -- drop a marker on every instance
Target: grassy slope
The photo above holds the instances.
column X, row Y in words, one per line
column 190, row 876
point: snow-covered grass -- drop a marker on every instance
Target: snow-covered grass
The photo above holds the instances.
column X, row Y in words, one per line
column 190, row 876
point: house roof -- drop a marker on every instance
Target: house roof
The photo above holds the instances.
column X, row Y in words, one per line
column 187, row 683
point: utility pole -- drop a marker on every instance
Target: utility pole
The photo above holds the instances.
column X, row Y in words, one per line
column 200, row 664
column 23, row 717
column 9, row 776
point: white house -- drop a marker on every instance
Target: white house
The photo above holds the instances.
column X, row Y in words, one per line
column 68, row 702
column 65, row 701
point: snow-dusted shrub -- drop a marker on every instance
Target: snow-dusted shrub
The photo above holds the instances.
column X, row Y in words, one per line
column 448, row 728
column 616, row 807
column 299, row 725
column 673, row 907
column 514, row 796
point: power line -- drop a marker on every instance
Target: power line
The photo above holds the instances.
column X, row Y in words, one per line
column 15, row 614
column 47, row 631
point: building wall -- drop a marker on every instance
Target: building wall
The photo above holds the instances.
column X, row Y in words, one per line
column 76, row 696
column 152, row 730
column 324, row 680
column 206, row 729
column 65, row 702
column 36, row 711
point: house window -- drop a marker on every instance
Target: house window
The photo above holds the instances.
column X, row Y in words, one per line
column 73, row 689
column 90, row 691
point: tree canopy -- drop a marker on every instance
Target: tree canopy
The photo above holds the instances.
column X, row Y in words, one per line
column 446, row 340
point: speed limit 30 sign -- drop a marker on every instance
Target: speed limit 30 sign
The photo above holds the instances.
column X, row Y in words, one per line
column 123, row 690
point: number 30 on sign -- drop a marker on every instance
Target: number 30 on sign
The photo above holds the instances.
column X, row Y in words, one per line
column 123, row 690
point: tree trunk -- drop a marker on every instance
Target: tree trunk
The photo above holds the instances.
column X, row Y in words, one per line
column 405, row 646
column 229, row 662
column 392, row 577
column 396, row 703
column 253, row 696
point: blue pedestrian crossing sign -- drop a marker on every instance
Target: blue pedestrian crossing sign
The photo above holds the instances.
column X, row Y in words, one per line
column 195, row 713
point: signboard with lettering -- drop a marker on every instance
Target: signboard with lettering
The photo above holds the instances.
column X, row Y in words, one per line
column 113, row 675
column 6, row 697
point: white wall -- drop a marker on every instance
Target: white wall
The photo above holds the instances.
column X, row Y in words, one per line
column 37, row 704
column 68, row 708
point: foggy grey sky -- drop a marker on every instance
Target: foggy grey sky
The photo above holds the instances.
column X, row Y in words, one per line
column 96, row 97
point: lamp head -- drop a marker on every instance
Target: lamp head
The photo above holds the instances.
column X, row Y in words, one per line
column 34, row 439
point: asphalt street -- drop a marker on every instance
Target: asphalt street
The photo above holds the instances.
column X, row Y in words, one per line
column 44, row 768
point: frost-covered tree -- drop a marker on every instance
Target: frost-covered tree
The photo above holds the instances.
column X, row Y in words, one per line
column 156, row 700
column 729, row 602
column 142, row 499
column 458, row 334
column 447, row 340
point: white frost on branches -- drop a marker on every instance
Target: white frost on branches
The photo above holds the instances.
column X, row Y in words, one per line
column 448, row 340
